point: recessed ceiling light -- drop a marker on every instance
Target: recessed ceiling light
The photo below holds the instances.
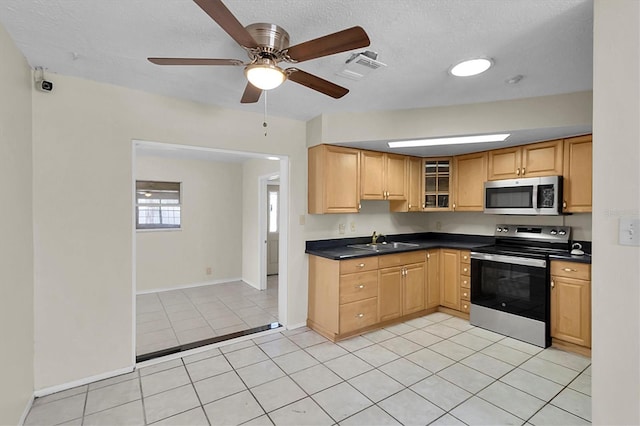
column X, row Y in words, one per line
column 471, row 67
column 449, row 141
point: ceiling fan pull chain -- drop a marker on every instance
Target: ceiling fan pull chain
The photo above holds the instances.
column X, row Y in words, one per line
column 264, row 123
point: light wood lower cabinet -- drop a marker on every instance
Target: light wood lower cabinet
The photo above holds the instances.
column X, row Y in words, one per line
column 571, row 302
column 432, row 282
column 346, row 296
column 450, row 278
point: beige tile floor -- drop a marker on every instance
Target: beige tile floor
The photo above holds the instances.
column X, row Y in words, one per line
column 171, row 318
column 434, row 370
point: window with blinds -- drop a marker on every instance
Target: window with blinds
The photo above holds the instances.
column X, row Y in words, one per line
column 157, row 205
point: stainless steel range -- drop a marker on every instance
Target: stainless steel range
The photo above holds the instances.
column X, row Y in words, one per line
column 510, row 291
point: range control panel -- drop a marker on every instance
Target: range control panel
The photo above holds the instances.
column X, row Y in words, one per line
column 541, row 233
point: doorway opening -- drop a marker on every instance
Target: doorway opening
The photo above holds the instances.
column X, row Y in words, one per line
column 206, row 281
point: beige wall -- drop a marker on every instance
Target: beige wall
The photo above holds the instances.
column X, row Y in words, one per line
column 211, row 197
column 616, row 194
column 252, row 170
column 573, row 109
column 16, row 231
column 83, row 212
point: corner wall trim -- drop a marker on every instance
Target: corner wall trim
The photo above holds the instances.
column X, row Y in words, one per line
column 23, row 418
column 294, row 326
column 58, row 388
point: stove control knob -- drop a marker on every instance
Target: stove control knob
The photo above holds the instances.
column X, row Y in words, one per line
column 505, row 229
column 562, row 232
column 553, row 232
column 498, row 229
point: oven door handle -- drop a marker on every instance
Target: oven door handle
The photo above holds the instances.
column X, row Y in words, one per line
column 515, row 260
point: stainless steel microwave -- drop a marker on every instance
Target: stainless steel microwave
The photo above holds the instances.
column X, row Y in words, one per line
column 526, row 196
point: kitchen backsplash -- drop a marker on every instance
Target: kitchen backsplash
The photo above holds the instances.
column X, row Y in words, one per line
column 375, row 216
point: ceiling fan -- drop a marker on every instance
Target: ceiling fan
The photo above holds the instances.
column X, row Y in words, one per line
column 267, row 45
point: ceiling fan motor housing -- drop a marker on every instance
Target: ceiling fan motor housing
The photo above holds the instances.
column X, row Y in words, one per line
column 271, row 39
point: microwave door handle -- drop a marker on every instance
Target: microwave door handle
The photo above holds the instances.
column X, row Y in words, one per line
column 534, row 197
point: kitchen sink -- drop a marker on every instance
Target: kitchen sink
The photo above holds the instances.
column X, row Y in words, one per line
column 383, row 246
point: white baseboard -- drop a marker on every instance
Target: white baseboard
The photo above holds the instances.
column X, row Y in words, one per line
column 58, row 388
column 294, row 326
column 182, row 287
column 23, row 418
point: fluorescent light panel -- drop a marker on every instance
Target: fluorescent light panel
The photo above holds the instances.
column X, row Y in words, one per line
column 449, row 141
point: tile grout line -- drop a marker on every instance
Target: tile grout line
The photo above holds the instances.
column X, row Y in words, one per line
column 195, row 390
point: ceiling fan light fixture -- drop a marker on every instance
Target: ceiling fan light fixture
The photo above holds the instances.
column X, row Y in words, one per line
column 265, row 74
column 471, row 67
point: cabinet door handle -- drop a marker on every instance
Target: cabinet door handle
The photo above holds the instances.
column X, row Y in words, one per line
column 523, row 171
column 361, row 286
column 569, row 270
column 359, row 315
column 360, row 265
column 564, row 204
column 359, row 206
column 428, row 255
column 409, row 206
column 553, row 284
column 454, row 206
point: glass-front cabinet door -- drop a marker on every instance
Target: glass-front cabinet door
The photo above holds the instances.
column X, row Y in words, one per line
column 437, row 183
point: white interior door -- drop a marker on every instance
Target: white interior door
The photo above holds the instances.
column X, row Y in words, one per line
column 273, row 233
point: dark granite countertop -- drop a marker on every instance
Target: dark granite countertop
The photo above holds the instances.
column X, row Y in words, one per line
column 337, row 249
column 586, row 258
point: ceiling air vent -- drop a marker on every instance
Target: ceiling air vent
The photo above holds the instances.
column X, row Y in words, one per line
column 360, row 65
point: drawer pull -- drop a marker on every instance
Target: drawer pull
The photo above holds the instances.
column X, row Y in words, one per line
column 360, row 316
column 465, row 306
column 464, row 282
column 465, row 257
column 569, row 270
column 464, row 294
column 361, row 286
column 465, row 269
column 361, row 265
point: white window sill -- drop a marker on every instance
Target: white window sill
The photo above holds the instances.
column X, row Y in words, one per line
column 159, row 230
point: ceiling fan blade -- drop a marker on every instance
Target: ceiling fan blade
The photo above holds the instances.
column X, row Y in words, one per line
column 316, row 83
column 223, row 17
column 349, row 39
column 251, row 94
column 195, row 61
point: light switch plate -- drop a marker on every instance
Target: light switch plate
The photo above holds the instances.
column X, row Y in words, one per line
column 629, row 231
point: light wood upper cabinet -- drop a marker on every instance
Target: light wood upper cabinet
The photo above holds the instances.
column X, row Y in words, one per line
column 383, row 176
column 470, row 173
column 437, row 184
column 334, row 179
column 539, row 159
column 578, row 166
column 450, row 278
column 432, row 283
column 415, row 184
column 571, row 302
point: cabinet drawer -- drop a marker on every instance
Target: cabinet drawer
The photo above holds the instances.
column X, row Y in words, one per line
column 356, row 315
column 465, row 256
column 354, row 287
column 465, row 269
column 465, row 282
column 465, row 306
column 398, row 259
column 581, row 271
column 465, row 294
column 358, row 265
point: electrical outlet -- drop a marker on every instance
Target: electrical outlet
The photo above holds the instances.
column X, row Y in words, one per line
column 353, row 227
column 341, row 228
column 209, row 270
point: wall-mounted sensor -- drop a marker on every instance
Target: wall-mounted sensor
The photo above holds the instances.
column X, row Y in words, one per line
column 41, row 83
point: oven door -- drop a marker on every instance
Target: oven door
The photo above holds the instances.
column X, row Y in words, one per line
column 516, row 285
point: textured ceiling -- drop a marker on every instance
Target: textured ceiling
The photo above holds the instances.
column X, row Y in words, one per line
column 549, row 42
